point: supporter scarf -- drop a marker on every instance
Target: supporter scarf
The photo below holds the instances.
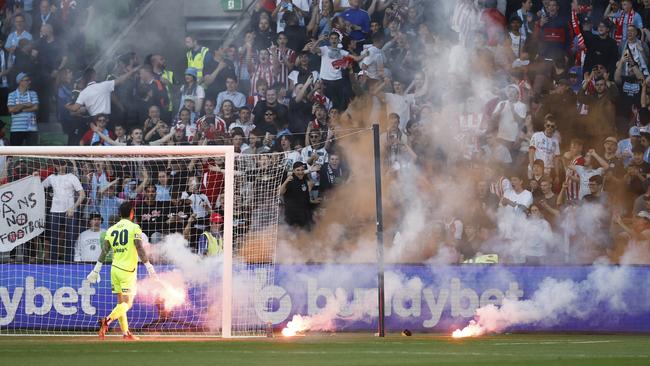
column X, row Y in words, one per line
column 636, row 52
column 581, row 49
column 342, row 63
column 319, row 98
column 331, row 176
column 621, row 24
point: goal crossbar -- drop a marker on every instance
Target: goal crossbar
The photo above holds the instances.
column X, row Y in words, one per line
column 118, row 150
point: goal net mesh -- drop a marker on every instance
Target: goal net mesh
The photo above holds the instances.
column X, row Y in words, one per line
column 55, row 213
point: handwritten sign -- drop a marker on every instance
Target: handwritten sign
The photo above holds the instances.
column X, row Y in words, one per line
column 22, row 212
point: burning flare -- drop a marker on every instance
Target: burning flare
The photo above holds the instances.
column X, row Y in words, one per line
column 474, row 329
column 298, row 325
column 170, row 290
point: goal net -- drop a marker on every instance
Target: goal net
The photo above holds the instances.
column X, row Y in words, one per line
column 209, row 219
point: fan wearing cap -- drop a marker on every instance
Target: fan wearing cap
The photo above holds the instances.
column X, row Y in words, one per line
column 640, row 228
column 87, row 248
column 23, row 106
column 295, row 191
column 624, row 149
column 615, row 163
column 211, row 241
column 192, row 90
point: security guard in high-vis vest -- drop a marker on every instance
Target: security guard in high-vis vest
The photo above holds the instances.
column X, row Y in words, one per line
column 196, row 55
column 169, row 76
column 211, row 242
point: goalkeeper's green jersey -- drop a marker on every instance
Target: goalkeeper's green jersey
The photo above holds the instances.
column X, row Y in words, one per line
column 109, row 254
column 121, row 237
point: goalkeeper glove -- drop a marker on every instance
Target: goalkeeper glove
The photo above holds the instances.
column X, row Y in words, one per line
column 152, row 272
column 93, row 276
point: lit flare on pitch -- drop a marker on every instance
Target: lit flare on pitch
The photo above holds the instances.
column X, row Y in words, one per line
column 474, row 329
column 170, row 289
column 298, row 325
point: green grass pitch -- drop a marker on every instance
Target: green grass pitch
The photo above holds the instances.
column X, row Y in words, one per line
column 334, row 349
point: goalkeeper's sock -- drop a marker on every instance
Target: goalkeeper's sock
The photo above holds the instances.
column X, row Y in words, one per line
column 124, row 324
column 119, row 310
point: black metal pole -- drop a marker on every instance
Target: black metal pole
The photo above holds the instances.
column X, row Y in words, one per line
column 380, row 230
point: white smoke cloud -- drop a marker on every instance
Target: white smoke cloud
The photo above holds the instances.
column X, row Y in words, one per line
column 174, row 249
column 556, row 300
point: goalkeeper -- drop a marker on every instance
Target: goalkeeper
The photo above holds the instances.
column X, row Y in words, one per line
column 125, row 239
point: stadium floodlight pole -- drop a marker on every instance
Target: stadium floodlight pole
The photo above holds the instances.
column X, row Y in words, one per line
column 172, row 151
column 380, row 230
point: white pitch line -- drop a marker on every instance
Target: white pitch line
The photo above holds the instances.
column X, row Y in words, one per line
column 552, row 342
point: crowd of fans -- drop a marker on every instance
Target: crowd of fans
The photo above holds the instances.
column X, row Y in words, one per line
column 563, row 121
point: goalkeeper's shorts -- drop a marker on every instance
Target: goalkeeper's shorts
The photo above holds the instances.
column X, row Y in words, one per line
column 123, row 282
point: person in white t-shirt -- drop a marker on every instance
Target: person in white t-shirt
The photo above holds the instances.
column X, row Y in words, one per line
column 590, row 169
column 199, row 203
column 374, row 63
column 509, row 115
column 332, row 76
column 95, row 98
column 400, row 103
column 544, row 145
column 64, row 207
column 515, row 197
column 88, row 247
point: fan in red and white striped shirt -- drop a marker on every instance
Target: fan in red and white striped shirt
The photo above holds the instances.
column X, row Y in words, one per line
column 261, row 70
column 573, row 157
column 465, row 19
column 286, row 59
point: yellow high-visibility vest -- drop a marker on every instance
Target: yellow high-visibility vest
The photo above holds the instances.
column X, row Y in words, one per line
column 169, row 76
column 483, row 259
column 215, row 246
column 197, row 61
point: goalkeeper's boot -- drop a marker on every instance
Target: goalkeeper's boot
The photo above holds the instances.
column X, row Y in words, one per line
column 130, row 337
column 103, row 328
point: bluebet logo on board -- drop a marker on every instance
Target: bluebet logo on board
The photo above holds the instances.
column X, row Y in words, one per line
column 426, row 303
column 40, row 300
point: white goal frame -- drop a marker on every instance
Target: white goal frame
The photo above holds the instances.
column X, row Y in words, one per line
column 209, row 150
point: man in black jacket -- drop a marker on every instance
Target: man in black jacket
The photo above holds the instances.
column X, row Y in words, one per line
column 295, row 191
column 601, row 49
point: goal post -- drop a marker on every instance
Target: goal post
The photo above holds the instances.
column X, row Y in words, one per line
column 248, row 237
